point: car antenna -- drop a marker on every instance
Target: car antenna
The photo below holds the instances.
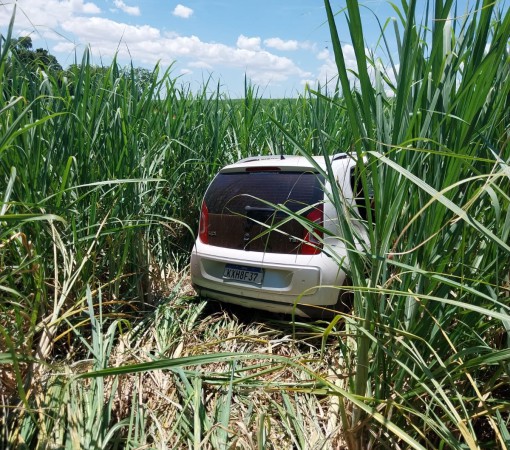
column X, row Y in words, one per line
column 281, row 153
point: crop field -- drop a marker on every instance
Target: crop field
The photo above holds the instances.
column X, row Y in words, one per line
column 104, row 343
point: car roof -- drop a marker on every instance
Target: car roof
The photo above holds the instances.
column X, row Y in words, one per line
column 285, row 162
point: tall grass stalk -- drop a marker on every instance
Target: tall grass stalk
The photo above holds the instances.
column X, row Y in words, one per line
column 433, row 147
column 102, row 173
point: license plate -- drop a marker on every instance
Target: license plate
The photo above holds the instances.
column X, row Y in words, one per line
column 253, row 275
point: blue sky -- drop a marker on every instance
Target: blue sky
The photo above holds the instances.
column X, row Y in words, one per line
column 279, row 44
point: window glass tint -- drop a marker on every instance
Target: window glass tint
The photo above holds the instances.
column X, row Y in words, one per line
column 238, row 192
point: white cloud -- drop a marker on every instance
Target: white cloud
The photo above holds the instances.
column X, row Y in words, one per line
column 182, row 11
column 246, row 43
column 289, row 45
column 200, row 65
column 328, row 69
column 280, row 44
column 88, row 8
column 323, row 54
column 67, row 26
column 46, row 14
column 64, row 47
column 131, row 10
column 148, row 45
column 106, row 32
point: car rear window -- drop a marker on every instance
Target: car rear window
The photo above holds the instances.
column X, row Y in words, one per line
column 237, row 192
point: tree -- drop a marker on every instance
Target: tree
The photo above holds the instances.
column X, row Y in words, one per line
column 141, row 78
column 33, row 60
column 23, row 43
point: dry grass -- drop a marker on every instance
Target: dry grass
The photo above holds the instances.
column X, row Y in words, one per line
column 267, row 401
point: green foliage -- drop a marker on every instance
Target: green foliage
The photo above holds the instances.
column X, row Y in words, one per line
column 33, row 59
column 103, row 170
column 102, row 173
column 436, row 154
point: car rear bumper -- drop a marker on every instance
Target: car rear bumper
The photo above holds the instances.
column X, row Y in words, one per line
column 288, row 279
column 301, row 308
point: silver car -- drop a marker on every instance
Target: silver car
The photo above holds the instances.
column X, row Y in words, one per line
column 269, row 235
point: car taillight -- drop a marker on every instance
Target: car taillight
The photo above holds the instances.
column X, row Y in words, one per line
column 312, row 245
column 204, row 224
